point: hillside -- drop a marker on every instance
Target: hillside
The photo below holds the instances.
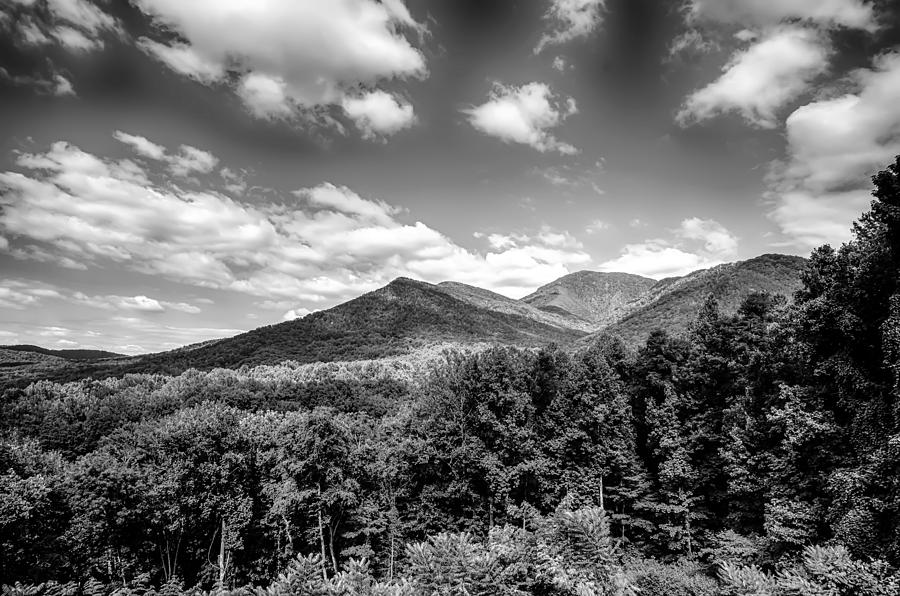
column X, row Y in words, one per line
column 404, row 316
column 66, row 354
column 409, row 316
column 672, row 303
column 492, row 301
column 595, row 297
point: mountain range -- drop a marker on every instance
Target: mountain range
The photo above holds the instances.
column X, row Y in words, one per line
column 407, row 315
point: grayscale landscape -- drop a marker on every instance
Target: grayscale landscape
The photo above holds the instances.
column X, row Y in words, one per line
column 450, row 298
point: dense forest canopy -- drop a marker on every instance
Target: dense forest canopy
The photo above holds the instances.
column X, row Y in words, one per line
column 759, row 453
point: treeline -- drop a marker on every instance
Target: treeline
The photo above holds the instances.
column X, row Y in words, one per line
column 711, row 463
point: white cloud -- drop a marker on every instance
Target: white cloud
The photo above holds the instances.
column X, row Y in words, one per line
column 74, row 39
column 295, row 313
column 559, row 63
column 190, row 159
column 855, row 14
column 834, row 146
column 761, row 80
column 598, row 225
column 82, row 14
column 323, row 245
column 344, row 200
column 572, row 19
column 716, row 238
column 292, row 55
column 63, row 86
column 378, row 113
column 184, row 163
column 691, row 41
column 266, row 96
column 184, row 60
column 524, row 115
column 15, row 293
column 657, row 257
column 141, row 145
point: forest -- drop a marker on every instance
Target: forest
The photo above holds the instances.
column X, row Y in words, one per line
column 757, row 454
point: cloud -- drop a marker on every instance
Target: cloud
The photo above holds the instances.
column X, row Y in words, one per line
column 379, row 114
column 76, row 25
column 524, row 115
column 596, row 226
column 572, row 19
column 853, row 14
column 75, row 40
column 344, row 200
column 691, row 41
column 141, row 145
column 834, row 146
column 314, row 247
column 712, row 244
column 82, row 14
column 63, row 86
column 190, row 160
column 184, row 60
column 716, row 238
column 759, row 81
column 17, row 293
column 288, row 57
column 187, row 161
column 295, row 313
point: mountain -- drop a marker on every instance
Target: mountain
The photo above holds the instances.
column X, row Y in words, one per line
column 66, row 354
column 496, row 302
column 401, row 317
column 590, row 296
column 672, row 303
column 407, row 316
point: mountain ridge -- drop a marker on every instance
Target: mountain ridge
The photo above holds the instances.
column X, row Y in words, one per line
column 592, row 296
column 406, row 316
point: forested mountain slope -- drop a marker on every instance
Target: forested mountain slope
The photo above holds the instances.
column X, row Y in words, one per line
column 592, row 296
column 499, row 303
column 672, row 303
column 401, row 317
column 66, row 354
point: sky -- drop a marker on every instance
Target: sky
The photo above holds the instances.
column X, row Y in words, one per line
column 173, row 172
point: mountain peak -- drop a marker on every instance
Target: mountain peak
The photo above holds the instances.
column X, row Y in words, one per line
column 593, row 296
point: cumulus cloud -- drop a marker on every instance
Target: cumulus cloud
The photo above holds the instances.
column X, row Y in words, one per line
column 184, row 60
column 187, row 161
column 834, row 146
column 379, row 113
column 759, row 81
column 572, row 19
column 716, row 238
column 524, row 115
column 141, row 145
column 288, row 56
column 855, row 14
column 697, row 244
column 318, row 246
column 76, row 25
column 295, row 313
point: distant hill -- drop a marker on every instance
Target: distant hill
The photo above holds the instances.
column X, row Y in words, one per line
column 66, row 354
column 402, row 317
column 498, row 303
column 591, row 296
column 412, row 317
column 672, row 303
